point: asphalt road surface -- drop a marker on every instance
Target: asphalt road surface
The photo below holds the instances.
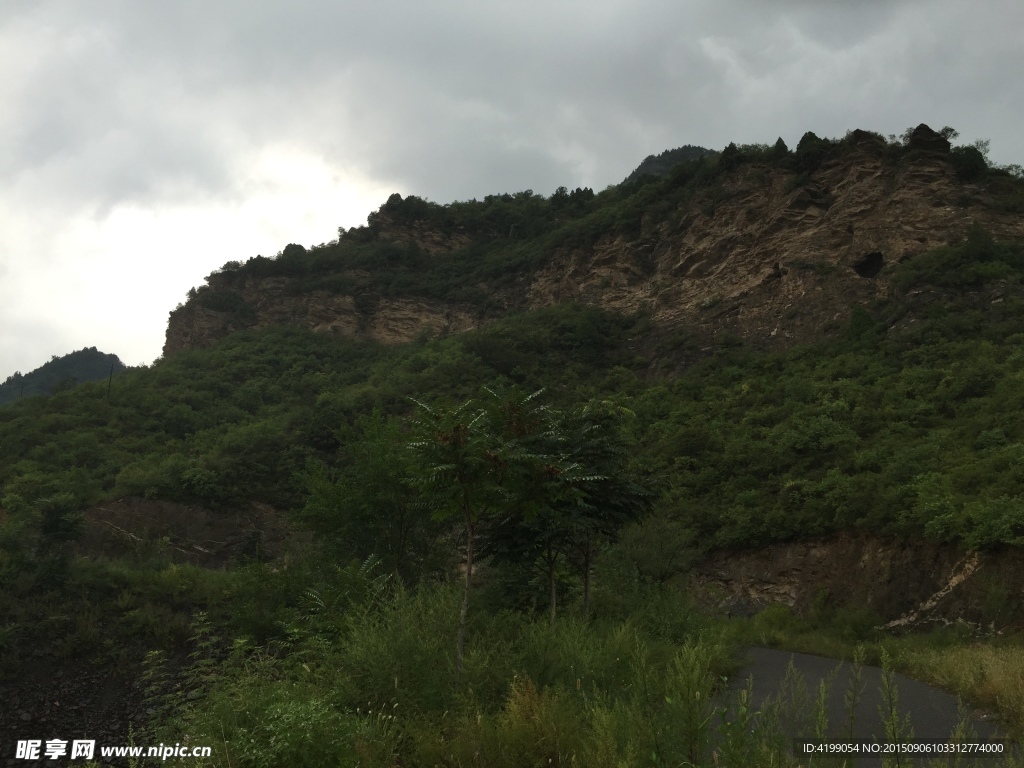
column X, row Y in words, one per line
column 933, row 714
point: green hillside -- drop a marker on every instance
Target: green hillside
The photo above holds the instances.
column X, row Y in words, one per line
column 585, row 460
column 890, row 431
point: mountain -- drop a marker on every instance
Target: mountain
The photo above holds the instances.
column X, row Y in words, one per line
column 768, row 379
column 662, row 165
column 770, row 246
column 88, row 364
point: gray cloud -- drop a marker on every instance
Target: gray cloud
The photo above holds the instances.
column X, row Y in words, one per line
column 117, row 103
column 148, row 101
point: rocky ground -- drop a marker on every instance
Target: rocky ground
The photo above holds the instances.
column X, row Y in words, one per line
column 50, row 698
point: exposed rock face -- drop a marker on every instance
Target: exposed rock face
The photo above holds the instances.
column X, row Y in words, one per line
column 775, row 265
column 190, row 534
column 905, row 584
column 194, row 327
column 390, row 321
column 768, row 262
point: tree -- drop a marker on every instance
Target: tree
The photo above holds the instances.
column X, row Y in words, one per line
column 560, row 198
column 537, row 478
column 730, row 157
column 970, row 161
column 369, row 507
column 606, row 495
column 534, row 483
column 810, row 152
column 570, row 486
column 459, row 470
column 59, row 523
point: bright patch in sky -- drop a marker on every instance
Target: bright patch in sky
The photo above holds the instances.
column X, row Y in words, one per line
column 110, row 282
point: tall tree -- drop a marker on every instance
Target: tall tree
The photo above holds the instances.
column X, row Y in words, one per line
column 460, row 470
column 606, row 494
column 570, row 486
column 537, row 478
column 368, row 507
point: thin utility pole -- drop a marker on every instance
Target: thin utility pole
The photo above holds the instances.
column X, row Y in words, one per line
column 110, row 379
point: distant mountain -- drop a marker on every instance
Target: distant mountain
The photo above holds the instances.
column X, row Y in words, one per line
column 60, row 373
column 660, row 165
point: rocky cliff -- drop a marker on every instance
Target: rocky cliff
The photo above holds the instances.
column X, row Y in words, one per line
column 389, row 321
column 768, row 254
column 904, row 584
column 774, row 262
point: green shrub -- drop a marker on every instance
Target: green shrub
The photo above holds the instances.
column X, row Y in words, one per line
column 59, row 522
column 981, row 524
column 404, row 653
column 226, row 301
column 969, row 161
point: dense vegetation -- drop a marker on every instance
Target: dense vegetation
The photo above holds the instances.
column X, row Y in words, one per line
column 492, row 246
column 546, row 446
column 895, row 432
column 59, row 373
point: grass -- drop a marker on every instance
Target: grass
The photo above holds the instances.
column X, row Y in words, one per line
column 986, row 671
column 990, row 674
column 376, row 687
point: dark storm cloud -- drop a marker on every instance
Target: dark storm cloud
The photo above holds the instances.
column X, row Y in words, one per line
column 153, row 108
column 454, row 99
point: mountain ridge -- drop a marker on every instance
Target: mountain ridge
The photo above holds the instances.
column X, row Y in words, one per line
column 772, row 246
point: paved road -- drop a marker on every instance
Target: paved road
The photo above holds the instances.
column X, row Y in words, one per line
column 933, row 714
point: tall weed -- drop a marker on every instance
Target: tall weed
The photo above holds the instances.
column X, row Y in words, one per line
column 404, row 653
column 991, row 676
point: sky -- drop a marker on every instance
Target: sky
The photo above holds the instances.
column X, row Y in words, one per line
column 143, row 145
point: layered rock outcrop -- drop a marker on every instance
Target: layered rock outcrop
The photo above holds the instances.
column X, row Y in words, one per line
column 770, row 256
column 389, row 321
column 776, row 262
column 903, row 584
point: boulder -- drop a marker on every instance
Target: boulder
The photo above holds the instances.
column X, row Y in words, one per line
column 924, row 139
column 865, row 139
